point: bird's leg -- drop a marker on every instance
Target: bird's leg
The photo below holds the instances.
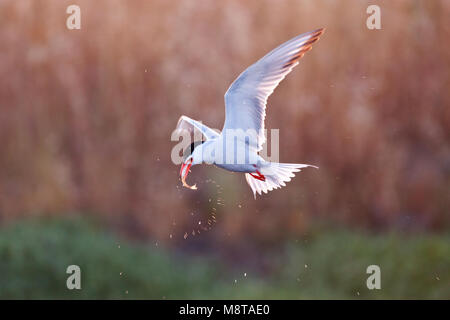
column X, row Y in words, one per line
column 258, row 175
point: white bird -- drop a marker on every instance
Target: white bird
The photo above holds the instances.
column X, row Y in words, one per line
column 236, row 147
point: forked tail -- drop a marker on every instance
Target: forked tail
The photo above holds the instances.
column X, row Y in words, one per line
column 276, row 175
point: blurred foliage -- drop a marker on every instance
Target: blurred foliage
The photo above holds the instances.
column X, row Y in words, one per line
column 34, row 255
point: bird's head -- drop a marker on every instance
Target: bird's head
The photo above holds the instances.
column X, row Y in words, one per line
column 192, row 156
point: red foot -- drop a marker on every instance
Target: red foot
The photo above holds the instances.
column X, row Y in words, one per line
column 258, row 176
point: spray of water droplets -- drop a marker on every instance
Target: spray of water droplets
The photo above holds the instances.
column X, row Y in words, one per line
column 200, row 222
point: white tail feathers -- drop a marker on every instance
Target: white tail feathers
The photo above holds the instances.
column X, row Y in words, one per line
column 276, row 174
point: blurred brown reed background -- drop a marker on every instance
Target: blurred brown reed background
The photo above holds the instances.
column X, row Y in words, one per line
column 86, row 115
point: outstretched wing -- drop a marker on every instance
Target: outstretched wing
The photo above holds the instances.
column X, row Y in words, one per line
column 245, row 100
column 186, row 123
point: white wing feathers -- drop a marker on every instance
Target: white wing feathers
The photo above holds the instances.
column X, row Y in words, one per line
column 186, row 123
column 245, row 100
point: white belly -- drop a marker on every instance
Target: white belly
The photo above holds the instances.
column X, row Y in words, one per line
column 232, row 155
column 237, row 167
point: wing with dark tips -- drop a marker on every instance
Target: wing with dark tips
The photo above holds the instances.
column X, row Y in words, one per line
column 245, row 100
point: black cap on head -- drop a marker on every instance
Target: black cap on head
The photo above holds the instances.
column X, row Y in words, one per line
column 189, row 150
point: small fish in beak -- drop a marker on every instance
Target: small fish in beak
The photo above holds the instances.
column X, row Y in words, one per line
column 184, row 171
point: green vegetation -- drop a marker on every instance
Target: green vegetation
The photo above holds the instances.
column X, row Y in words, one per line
column 34, row 255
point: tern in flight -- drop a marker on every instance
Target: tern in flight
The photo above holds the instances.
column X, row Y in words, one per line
column 237, row 147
